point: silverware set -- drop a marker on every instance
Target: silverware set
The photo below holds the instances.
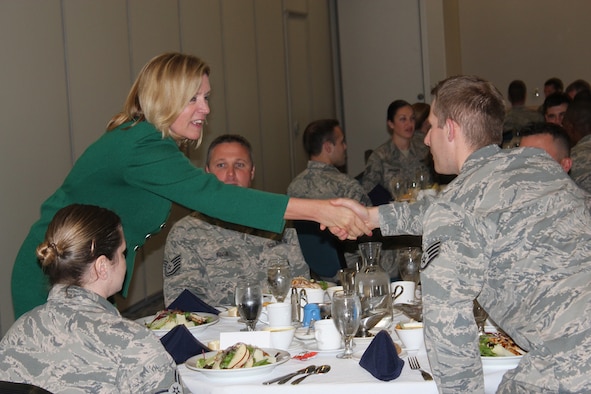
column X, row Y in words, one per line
column 414, row 364
column 309, row 370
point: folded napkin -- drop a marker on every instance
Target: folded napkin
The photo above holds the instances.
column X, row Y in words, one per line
column 381, row 359
column 181, row 344
column 189, row 302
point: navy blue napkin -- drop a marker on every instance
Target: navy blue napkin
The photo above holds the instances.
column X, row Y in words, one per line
column 189, row 302
column 381, row 358
column 181, row 344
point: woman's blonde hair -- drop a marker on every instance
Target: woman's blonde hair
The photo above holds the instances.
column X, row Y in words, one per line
column 162, row 89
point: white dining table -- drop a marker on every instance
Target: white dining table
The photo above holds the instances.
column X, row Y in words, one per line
column 345, row 376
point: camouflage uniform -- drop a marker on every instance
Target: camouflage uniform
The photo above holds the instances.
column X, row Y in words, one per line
column 519, row 116
column 387, row 164
column 78, row 343
column 322, row 181
column 581, row 169
column 513, row 230
column 207, row 256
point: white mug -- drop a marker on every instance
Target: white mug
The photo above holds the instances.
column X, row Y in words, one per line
column 277, row 314
column 326, row 334
column 281, row 337
column 403, row 292
column 311, row 296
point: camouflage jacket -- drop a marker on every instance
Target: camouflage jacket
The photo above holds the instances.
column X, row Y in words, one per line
column 513, row 231
column 520, row 116
column 387, row 164
column 78, row 343
column 208, row 257
column 581, row 169
column 322, row 181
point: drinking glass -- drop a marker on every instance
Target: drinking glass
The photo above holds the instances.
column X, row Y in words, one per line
column 249, row 301
column 279, row 279
column 480, row 315
column 409, row 263
column 346, row 314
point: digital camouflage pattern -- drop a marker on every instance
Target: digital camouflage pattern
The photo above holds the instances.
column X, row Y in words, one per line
column 581, row 169
column 323, row 181
column 79, row 343
column 388, row 164
column 520, row 116
column 208, row 257
column 513, row 231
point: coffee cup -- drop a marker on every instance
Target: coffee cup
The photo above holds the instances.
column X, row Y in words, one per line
column 281, row 336
column 277, row 314
column 411, row 335
column 311, row 296
column 403, row 292
column 326, row 334
column 331, row 290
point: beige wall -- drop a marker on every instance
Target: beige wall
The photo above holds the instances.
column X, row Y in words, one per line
column 67, row 66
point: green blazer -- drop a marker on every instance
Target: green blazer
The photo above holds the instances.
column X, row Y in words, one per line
column 138, row 174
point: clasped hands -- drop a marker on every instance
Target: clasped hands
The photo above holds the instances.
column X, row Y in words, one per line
column 348, row 219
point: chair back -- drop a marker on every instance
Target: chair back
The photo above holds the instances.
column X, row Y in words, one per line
column 20, row 388
column 322, row 251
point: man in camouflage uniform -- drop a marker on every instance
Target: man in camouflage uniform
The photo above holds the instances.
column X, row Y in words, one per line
column 512, row 231
column 209, row 256
column 126, row 358
column 577, row 123
column 324, row 142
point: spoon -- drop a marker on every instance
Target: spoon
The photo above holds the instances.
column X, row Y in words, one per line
column 319, row 370
column 285, row 379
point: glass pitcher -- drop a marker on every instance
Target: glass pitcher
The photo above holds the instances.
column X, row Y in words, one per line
column 373, row 285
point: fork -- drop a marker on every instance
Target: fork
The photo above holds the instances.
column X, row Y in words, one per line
column 414, row 364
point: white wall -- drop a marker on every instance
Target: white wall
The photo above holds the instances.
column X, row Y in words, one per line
column 67, row 66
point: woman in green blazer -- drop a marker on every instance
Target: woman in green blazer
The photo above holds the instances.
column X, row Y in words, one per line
column 137, row 170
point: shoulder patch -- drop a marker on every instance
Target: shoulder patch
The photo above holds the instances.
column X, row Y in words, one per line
column 430, row 253
column 172, row 267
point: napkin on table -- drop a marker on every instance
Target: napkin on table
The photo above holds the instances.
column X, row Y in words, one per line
column 381, row 358
column 181, row 344
column 189, row 302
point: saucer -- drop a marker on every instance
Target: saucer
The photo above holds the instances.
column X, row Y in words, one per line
column 301, row 334
column 313, row 347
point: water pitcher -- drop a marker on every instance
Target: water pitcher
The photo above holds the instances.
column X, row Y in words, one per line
column 373, row 285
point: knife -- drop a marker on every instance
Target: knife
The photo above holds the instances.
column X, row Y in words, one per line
column 291, row 375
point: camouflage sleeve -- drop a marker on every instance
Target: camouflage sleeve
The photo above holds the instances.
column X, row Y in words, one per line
column 374, row 172
column 398, row 218
column 458, row 249
column 147, row 367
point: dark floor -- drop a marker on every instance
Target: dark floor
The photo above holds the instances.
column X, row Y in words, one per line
column 144, row 308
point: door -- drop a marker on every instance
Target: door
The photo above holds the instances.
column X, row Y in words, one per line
column 381, row 61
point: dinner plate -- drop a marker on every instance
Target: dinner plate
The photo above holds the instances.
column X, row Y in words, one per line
column 240, row 373
column 193, row 330
column 224, row 315
column 501, row 361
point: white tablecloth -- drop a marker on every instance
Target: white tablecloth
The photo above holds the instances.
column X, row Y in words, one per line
column 345, row 376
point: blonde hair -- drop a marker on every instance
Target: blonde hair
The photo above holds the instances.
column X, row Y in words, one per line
column 76, row 236
column 162, row 89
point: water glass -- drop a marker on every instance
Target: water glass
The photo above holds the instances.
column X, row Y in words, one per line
column 249, row 302
column 409, row 264
column 279, row 279
column 346, row 314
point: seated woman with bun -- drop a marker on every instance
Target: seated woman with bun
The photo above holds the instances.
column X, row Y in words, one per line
column 77, row 341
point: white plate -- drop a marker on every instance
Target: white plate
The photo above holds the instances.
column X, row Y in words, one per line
column 313, row 347
column 501, row 361
column 301, row 334
column 241, row 373
column 224, row 315
column 193, row 330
